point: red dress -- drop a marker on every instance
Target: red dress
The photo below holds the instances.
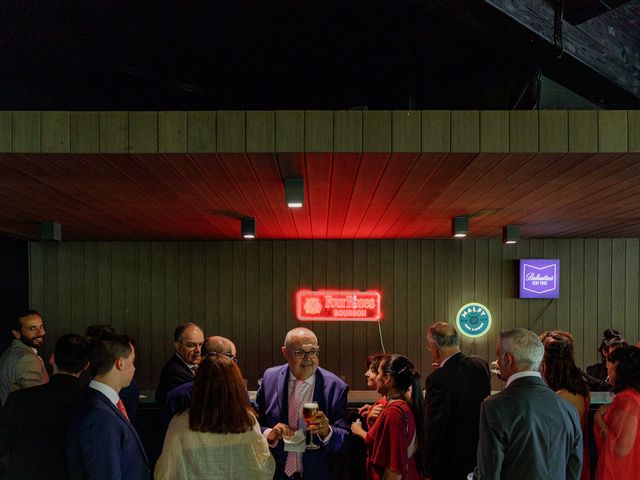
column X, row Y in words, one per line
column 619, row 451
column 370, row 421
column 391, row 442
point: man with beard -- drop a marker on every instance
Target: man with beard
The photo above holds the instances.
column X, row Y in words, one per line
column 20, row 365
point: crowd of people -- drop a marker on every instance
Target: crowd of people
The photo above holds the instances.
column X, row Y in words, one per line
column 451, row 427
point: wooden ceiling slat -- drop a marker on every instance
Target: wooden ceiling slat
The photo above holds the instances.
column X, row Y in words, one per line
column 252, row 198
column 184, row 193
column 420, row 212
column 417, row 176
column 318, row 186
column 268, row 175
column 343, row 178
column 371, row 167
column 391, row 180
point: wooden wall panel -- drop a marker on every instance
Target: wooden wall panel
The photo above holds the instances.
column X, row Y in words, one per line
column 245, row 291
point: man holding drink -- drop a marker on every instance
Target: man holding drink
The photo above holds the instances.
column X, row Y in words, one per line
column 300, row 393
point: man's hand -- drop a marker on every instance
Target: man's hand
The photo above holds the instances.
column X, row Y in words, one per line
column 319, row 425
column 278, row 431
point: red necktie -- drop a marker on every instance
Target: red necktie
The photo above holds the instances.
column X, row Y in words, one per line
column 123, row 410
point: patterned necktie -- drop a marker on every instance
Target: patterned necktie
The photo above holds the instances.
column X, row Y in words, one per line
column 123, row 410
column 291, row 465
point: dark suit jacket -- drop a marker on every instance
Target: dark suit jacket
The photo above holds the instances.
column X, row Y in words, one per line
column 529, row 432
column 175, row 372
column 33, row 429
column 272, row 402
column 102, row 444
column 454, row 393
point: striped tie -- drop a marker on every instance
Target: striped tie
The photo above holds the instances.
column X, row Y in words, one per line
column 291, row 465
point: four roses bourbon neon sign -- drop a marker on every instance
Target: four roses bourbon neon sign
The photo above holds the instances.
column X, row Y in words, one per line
column 337, row 306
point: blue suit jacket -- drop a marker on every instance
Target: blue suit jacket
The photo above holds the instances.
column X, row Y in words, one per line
column 272, row 403
column 102, row 444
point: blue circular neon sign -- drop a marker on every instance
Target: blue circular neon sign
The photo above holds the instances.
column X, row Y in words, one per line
column 473, row 320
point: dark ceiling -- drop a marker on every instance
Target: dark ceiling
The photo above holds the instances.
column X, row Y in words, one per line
column 203, row 196
column 289, row 54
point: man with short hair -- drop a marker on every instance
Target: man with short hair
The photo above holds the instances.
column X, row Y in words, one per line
column 179, row 397
column 35, row 420
column 454, row 392
column 527, row 431
column 20, row 365
column 181, row 367
column 102, row 442
column 280, row 399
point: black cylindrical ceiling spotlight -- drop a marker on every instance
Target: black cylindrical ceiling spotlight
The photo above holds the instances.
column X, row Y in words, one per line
column 511, row 234
column 248, row 227
column 294, row 192
column 460, row 226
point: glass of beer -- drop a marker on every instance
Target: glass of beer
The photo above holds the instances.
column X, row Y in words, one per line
column 309, row 410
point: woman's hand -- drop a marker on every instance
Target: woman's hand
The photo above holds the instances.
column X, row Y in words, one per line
column 363, row 410
column 356, row 429
column 374, row 413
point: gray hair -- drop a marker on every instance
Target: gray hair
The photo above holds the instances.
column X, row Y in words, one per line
column 444, row 335
column 524, row 345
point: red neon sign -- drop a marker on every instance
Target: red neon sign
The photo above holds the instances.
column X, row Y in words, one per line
column 337, row 306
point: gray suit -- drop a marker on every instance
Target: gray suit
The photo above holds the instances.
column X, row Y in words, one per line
column 20, row 367
column 528, row 432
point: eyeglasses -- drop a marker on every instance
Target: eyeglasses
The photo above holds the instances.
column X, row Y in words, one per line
column 300, row 354
column 191, row 345
column 231, row 356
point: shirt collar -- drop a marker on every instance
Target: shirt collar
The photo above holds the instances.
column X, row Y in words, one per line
column 310, row 382
column 528, row 373
column 106, row 390
column 190, row 367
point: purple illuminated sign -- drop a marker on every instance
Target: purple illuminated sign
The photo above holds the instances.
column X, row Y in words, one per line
column 539, row 278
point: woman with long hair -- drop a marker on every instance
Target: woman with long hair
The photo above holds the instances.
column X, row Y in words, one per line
column 395, row 439
column 617, row 426
column 559, row 370
column 218, row 436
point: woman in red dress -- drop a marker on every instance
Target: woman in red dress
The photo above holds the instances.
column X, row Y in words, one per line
column 617, row 428
column 395, row 439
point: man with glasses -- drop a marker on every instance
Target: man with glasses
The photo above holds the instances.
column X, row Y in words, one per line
column 280, row 399
column 181, row 367
column 179, row 397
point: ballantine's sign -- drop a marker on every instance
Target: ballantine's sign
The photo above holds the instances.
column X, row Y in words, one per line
column 337, row 305
column 539, row 278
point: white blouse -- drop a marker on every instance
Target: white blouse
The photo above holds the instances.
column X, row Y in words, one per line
column 187, row 454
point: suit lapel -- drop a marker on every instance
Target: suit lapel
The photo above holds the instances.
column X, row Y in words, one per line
column 283, row 394
column 318, row 392
column 100, row 396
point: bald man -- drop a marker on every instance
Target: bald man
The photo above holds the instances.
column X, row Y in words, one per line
column 297, row 382
column 179, row 398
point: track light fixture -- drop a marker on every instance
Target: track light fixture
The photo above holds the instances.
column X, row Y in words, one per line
column 460, row 226
column 294, row 192
column 511, row 234
column 248, row 227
